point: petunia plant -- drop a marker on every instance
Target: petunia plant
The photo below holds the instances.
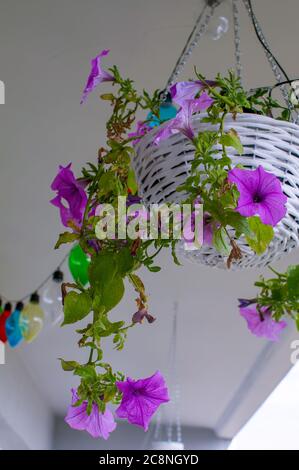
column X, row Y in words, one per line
column 237, row 202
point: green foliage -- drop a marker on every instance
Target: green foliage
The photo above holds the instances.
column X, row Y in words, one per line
column 66, row 237
column 76, row 306
column 261, row 235
column 281, row 294
column 115, row 261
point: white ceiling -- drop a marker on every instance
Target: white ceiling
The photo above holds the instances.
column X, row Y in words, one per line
column 45, row 49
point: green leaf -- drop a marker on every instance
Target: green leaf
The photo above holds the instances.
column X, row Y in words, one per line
column 261, row 235
column 107, row 182
column 221, row 241
column 293, row 281
column 231, row 139
column 131, row 182
column 68, row 365
column 76, row 307
column 86, row 372
column 125, row 261
column 103, row 327
column 66, row 237
column 112, row 293
column 238, row 222
column 102, row 270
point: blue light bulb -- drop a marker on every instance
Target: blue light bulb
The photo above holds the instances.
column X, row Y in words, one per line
column 12, row 326
column 167, row 111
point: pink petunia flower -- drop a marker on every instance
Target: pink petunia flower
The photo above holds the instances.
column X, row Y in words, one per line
column 97, row 75
column 262, row 325
column 69, row 191
column 260, row 194
column 182, row 91
column 183, row 120
column 141, row 398
column 97, row 424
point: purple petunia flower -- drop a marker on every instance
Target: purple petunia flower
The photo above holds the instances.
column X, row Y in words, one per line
column 207, row 229
column 260, row 194
column 141, row 398
column 262, row 325
column 97, row 424
column 141, row 130
column 182, row 91
column 72, row 192
column 96, row 76
column 183, row 120
column 140, row 315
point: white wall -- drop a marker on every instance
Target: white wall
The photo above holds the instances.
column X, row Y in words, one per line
column 128, row 437
column 25, row 418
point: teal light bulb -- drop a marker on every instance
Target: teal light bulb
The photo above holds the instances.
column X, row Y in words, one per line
column 167, row 111
column 12, row 326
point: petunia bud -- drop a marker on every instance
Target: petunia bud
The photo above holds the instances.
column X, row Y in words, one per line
column 107, row 97
column 246, row 302
column 139, row 316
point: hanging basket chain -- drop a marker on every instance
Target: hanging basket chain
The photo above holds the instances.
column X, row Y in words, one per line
column 276, row 67
column 197, row 32
column 237, row 38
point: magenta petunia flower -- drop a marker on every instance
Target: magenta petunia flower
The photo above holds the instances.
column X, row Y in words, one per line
column 182, row 91
column 141, row 398
column 97, row 424
column 262, row 325
column 183, row 120
column 69, row 191
column 260, row 194
column 97, row 75
column 141, row 130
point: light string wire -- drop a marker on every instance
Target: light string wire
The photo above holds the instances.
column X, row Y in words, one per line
column 39, row 287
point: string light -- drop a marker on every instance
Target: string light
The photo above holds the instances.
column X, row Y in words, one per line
column 32, row 319
column 13, row 326
column 52, row 298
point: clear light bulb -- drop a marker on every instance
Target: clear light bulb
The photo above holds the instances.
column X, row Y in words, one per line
column 32, row 319
column 52, row 298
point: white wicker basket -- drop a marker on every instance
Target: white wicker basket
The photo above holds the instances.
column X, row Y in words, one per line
column 268, row 142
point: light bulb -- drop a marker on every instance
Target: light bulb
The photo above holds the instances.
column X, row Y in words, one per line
column 32, row 319
column 12, row 326
column 4, row 316
column 52, row 298
column 166, row 111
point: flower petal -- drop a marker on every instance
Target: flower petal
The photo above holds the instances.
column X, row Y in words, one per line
column 96, row 76
column 268, row 328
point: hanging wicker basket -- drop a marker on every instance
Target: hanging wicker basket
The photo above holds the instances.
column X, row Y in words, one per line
column 268, row 142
